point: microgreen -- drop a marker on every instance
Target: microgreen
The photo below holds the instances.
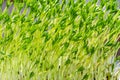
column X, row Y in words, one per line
column 59, row 39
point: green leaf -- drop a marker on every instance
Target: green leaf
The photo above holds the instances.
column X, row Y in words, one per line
column 31, row 74
column 68, row 62
column 80, row 69
column 85, row 77
column 1, row 52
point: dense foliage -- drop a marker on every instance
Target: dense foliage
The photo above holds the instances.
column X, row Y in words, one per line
column 59, row 40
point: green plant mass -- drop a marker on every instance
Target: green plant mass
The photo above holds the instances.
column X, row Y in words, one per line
column 59, row 39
